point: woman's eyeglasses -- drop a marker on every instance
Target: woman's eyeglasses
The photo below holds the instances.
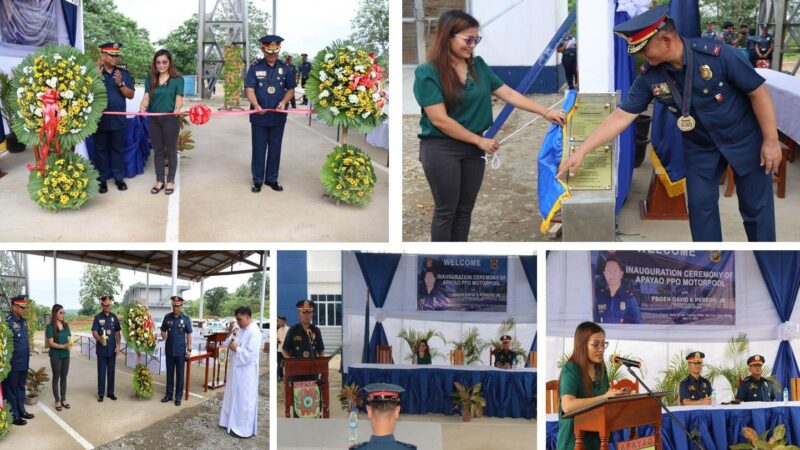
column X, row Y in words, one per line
column 470, row 40
column 162, row 63
column 599, row 345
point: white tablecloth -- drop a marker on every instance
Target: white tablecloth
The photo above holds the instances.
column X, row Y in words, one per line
column 379, row 137
column 785, row 92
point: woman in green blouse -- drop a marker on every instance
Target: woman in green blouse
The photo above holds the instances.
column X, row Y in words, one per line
column 163, row 93
column 583, row 381
column 423, row 353
column 58, row 339
column 455, row 89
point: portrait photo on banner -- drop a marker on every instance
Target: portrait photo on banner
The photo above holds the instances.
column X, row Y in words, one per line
column 663, row 287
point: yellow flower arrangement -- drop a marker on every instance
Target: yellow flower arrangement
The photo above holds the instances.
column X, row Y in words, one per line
column 68, row 181
column 348, row 175
column 346, row 87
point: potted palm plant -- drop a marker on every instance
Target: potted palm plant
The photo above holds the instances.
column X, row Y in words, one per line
column 759, row 441
column 468, row 349
column 468, row 401
column 36, row 381
column 350, row 397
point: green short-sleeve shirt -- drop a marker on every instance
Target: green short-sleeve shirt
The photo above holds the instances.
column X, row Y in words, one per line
column 475, row 110
column 571, row 383
column 423, row 360
column 60, row 338
column 162, row 100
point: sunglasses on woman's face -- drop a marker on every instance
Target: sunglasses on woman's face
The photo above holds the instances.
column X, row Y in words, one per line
column 162, row 63
column 470, row 40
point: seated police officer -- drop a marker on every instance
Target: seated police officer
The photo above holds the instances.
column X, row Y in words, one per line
column 504, row 358
column 383, row 410
column 755, row 388
column 694, row 389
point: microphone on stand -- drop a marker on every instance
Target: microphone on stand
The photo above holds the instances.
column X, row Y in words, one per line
column 616, row 359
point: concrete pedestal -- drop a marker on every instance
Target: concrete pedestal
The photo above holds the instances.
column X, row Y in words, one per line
column 589, row 216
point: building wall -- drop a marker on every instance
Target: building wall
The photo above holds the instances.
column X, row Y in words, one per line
column 292, row 282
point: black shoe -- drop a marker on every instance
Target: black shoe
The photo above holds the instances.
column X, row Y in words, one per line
column 237, row 436
column 166, row 399
column 19, row 421
column 112, row 396
column 99, row 398
column 122, row 187
column 178, row 402
column 103, row 187
column 28, row 416
column 256, row 188
column 275, row 186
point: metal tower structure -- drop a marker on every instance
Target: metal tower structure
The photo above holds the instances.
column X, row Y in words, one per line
column 223, row 23
column 785, row 16
column 13, row 276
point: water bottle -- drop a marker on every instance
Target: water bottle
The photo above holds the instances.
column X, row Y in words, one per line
column 352, row 426
column 785, row 397
column 414, row 359
column 714, row 398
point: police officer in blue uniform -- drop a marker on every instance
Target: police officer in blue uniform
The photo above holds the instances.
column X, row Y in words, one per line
column 305, row 70
column 505, row 357
column 723, row 110
column 109, row 140
column 14, row 384
column 292, row 73
column 694, row 389
column 754, row 387
column 106, row 332
column 176, row 328
column 614, row 302
column 268, row 85
column 765, row 43
column 383, row 409
column 304, row 339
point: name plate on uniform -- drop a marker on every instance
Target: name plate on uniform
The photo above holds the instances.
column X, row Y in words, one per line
column 597, row 170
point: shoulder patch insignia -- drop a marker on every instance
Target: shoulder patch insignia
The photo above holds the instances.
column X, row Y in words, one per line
column 716, row 50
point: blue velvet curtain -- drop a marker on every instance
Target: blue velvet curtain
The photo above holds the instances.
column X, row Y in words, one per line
column 781, row 272
column 378, row 270
column 623, row 78
column 71, row 18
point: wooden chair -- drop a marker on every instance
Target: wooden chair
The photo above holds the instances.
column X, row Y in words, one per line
column 795, row 384
column 493, row 355
column 385, row 354
column 787, row 154
column 532, row 359
column 551, row 388
column 633, row 386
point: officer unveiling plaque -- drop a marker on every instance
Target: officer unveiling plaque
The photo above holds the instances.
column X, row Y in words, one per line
column 597, row 170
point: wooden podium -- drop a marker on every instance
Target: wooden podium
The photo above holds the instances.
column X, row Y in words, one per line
column 619, row 413
column 293, row 367
column 213, row 345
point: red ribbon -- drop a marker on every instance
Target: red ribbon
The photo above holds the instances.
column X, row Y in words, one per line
column 51, row 115
column 200, row 113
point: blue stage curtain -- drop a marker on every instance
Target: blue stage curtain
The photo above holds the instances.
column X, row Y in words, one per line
column 529, row 266
column 781, row 272
column 71, row 19
column 378, row 270
column 719, row 428
column 623, row 78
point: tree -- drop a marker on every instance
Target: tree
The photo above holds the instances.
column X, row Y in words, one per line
column 97, row 281
column 737, row 11
column 371, row 26
column 252, row 287
column 214, row 298
column 103, row 23
column 182, row 41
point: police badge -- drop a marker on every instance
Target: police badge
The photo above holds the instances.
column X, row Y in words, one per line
column 705, row 72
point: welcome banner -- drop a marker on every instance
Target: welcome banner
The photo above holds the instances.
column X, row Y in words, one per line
column 462, row 283
column 663, row 287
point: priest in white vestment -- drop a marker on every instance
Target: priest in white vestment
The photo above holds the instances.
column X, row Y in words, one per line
column 239, row 414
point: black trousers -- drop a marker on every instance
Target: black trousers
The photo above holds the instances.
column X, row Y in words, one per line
column 570, row 63
column 454, row 170
column 164, row 132
column 60, row 368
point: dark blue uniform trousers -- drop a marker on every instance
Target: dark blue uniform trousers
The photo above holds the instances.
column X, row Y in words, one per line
column 175, row 377
column 14, row 391
column 266, row 144
column 756, row 204
column 105, row 371
column 109, row 150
